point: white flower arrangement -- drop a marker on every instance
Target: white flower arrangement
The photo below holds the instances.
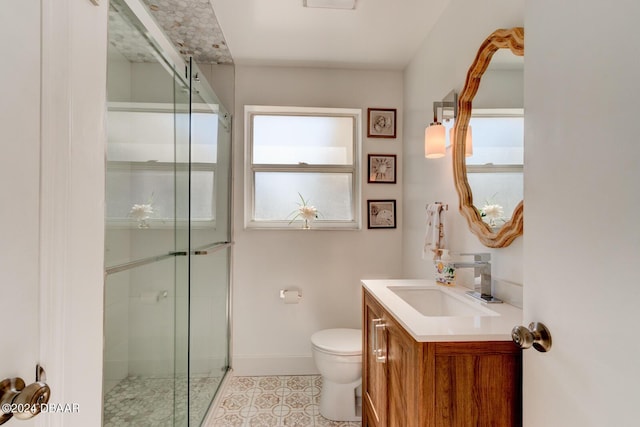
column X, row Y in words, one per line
column 305, row 211
column 493, row 212
column 142, row 212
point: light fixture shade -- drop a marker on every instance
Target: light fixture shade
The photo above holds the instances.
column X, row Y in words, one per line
column 434, row 141
column 468, row 146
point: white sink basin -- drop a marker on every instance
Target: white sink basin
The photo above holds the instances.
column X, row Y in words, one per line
column 437, row 302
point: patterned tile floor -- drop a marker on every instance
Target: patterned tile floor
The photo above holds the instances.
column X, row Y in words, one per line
column 272, row 401
column 149, row 402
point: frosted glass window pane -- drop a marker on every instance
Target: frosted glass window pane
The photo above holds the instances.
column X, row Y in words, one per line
column 504, row 189
column 497, row 140
column 140, row 136
column 308, row 139
column 204, row 137
column 276, row 195
column 126, row 187
column 203, row 200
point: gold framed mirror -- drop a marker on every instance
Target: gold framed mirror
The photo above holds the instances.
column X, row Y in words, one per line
column 491, row 236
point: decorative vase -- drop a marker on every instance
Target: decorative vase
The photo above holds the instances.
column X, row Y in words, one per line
column 445, row 272
column 142, row 223
column 306, row 225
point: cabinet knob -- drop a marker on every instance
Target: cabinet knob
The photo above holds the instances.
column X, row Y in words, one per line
column 537, row 335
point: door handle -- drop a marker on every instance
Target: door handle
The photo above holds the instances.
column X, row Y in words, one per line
column 376, row 348
column 374, row 336
column 381, row 352
column 20, row 401
column 537, row 335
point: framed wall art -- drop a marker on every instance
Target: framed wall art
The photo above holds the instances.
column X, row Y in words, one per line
column 381, row 214
column 381, row 122
column 382, row 169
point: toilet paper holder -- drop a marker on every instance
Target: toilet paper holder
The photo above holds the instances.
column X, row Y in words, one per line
column 290, row 296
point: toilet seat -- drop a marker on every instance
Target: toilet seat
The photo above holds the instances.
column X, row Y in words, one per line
column 341, row 341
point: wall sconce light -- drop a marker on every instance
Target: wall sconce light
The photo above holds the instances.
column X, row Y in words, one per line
column 435, row 138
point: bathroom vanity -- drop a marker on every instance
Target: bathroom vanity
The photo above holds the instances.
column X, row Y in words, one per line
column 432, row 356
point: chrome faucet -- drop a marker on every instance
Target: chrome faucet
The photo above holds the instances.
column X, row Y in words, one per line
column 481, row 265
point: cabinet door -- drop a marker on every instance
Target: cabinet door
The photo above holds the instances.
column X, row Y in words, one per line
column 374, row 375
column 478, row 384
column 404, row 357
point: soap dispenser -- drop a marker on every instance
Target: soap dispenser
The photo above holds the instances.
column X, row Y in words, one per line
column 445, row 272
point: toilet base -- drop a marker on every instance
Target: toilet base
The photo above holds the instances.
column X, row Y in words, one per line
column 338, row 401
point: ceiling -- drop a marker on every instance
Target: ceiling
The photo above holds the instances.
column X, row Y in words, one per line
column 379, row 34
column 192, row 27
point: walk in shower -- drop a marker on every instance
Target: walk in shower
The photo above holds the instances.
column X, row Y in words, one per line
column 168, row 247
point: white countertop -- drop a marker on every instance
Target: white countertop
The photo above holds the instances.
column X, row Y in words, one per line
column 495, row 325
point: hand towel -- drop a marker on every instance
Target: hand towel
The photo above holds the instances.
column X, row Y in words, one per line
column 434, row 235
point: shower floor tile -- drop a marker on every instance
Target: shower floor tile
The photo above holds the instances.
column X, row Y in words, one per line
column 149, row 402
column 272, row 401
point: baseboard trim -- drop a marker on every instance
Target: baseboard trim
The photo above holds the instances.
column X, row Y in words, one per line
column 273, row 365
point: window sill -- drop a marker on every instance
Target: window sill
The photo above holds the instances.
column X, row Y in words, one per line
column 158, row 224
column 297, row 226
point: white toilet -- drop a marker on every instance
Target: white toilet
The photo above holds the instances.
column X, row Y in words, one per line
column 338, row 356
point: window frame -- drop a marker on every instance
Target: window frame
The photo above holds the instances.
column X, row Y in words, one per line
column 250, row 169
column 169, row 166
column 496, row 113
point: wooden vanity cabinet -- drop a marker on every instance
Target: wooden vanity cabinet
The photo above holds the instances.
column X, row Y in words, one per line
column 406, row 383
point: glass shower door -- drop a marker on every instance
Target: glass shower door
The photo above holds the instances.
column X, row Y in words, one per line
column 147, row 234
column 167, row 234
column 182, row 102
column 210, row 247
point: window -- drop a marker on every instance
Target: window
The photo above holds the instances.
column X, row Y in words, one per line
column 293, row 152
column 495, row 171
column 142, row 165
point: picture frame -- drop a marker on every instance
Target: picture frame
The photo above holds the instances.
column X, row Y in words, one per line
column 381, row 214
column 381, row 122
column 382, row 169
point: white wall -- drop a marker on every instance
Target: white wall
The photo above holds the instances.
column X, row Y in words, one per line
column 582, row 235
column 326, row 266
column 19, row 192
column 221, row 77
column 441, row 65
column 72, row 205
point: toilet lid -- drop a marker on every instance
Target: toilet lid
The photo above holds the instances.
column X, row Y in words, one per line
column 339, row 341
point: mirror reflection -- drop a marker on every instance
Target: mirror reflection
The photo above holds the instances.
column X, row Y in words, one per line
column 495, row 168
column 494, row 85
